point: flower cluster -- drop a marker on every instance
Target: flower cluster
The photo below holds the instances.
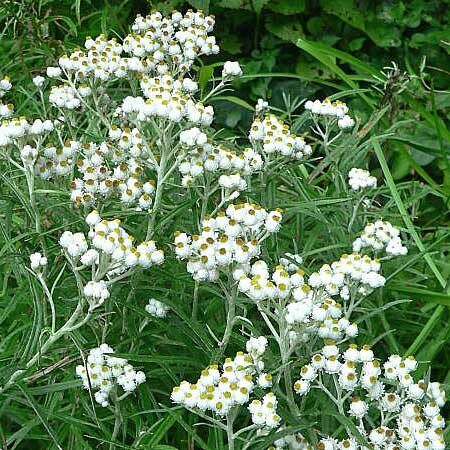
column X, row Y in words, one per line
column 156, row 308
column 169, row 99
column 264, row 411
column 102, row 373
column 54, row 160
column 291, row 442
column 220, row 390
column 171, row 43
column 37, row 262
column 231, row 69
column 67, row 97
column 5, row 109
column 232, row 165
column 111, row 252
column 351, row 270
column 332, row 110
column 308, row 311
column 360, row 179
column 102, row 60
column 291, row 262
column 408, row 411
column 259, row 284
column 233, row 237
column 379, row 236
column 17, row 131
column 270, row 136
column 114, row 168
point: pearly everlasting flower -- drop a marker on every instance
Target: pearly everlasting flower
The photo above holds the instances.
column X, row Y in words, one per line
column 381, row 235
column 6, row 109
column 38, row 81
column 271, row 137
column 231, row 69
column 290, row 442
column 291, row 262
column 110, row 251
column 230, row 240
column 54, row 72
column 261, row 106
column 358, row 408
column 97, row 292
column 360, row 179
column 104, row 372
column 264, row 411
column 114, row 169
column 231, row 166
column 5, row 85
column 156, row 308
column 37, row 262
column 397, row 411
column 346, row 122
column 327, row 108
column 219, row 390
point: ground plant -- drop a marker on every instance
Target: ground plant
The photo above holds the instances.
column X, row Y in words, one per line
column 203, row 249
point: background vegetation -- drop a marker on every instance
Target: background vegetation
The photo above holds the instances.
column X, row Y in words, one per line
column 389, row 56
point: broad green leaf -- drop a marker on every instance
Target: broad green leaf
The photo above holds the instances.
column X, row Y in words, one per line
column 346, row 10
column 287, row 7
column 205, row 74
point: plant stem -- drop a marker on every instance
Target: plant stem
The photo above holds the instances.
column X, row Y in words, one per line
column 230, row 434
column 286, row 367
column 117, row 423
column 69, row 326
column 50, row 300
column 195, row 301
column 159, row 191
column 231, row 313
column 37, row 217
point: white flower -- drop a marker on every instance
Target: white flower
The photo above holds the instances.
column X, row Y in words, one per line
column 156, row 308
column 103, row 371
column 346, row 122
column 381, row 235
column 271, row 136
column 359, row 179
column 358, row 407
column 231, row 69
column 37, row 262
column 38, row 81
column 53, row 72
column 261, row 106
column 220, row 390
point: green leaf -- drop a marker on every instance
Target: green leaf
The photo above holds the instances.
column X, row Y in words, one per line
column 434, row 319
column 356, row 44
column 158, row 432
column 424, row 294
column 232, row 4
column 383, row 34
column 258, row 5
column 41, row 417
column 327, row 58
column 400, row 166
column 205, row 74
column 287, row 7
column 235, row 100
column 200, row 4
column 285, row 29
column 346, row 10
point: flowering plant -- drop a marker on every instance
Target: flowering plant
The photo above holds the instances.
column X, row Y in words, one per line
column 123, row 155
